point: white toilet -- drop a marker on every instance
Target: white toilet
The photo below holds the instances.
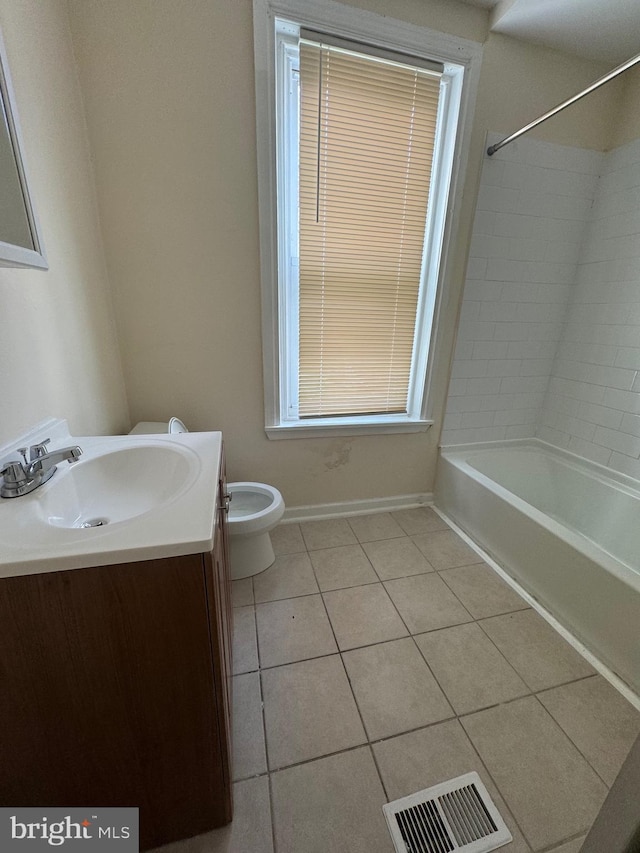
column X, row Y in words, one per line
column 173, row 427
column 255, row 509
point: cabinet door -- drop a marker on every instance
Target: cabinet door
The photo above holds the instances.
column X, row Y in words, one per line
column 108, row 695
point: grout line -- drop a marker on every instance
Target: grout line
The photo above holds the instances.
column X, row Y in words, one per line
column 511, row 665
column 485, row 768
column 370, row 561
column 252, row 776
column 279, row 554
column 483, row 563
column 353, row 693
column 350, row 586
column 523, row 676
column 264, row 735
column 363, row 745
column 571, row 741
column 335, row 639
column 557, row 845
column 495, row 704
column 234, row 645
column 379, row 772
column 565, row 683
column 286, row 598
column 433, row 675
column 272, row 813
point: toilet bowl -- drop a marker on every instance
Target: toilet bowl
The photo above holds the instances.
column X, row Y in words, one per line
column 254, row 510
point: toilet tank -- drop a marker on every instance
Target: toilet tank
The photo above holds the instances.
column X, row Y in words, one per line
column 173, row 426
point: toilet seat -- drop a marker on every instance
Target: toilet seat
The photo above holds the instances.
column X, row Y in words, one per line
column 254, row 508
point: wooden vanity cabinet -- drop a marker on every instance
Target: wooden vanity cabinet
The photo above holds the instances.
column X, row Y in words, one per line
column 115, row 689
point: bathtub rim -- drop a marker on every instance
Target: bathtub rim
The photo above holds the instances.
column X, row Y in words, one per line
column 601, row 472
column 457, row 455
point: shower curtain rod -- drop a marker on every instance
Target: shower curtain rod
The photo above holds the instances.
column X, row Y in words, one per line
column 601, row 81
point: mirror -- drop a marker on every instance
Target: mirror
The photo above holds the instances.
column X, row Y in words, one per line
column 20, row 241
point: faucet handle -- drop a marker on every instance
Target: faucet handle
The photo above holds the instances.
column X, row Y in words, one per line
column 14, row 473
column 37, row 451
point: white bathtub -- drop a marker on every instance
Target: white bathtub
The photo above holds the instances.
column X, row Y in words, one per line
column 566, row 530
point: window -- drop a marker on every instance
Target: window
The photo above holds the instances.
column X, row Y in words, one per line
column 361, row 170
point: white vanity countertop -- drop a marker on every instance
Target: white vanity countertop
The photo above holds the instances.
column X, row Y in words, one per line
column 177, row 475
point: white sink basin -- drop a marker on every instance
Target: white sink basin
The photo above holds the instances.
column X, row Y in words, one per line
column 116, row 486
column 128, row 498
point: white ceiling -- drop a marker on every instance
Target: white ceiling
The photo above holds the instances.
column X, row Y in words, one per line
column 607, row 30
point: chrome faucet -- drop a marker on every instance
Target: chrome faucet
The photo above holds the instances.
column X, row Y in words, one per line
column 38, row 466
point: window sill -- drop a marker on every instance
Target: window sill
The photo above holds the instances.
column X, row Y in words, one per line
column 301, row 430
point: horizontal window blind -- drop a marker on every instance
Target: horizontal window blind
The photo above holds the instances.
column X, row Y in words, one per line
column 367, row 130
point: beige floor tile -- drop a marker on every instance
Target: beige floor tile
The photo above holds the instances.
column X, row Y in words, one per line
column 290, row 575
column 362, row 616
column 309, row 711
column 601, row 723
column 293, row 629
column 377, row 526
column 426, row 603
column 249, row 832
column 245, row 647
column 333, row 805
column 242, row 592
column 418, row 760
column 287, row 539
column 329, row 533
column 469, row 668
column 338, row 568
column 541, row 657
column 394, row 688
column 551, row 790
column 445, row 549
column 396, row 558
column 419, row 520
column 249, row 757
column 570, row 846
column 482, row 591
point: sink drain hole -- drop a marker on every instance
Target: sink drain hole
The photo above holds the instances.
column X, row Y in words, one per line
column 95, row 522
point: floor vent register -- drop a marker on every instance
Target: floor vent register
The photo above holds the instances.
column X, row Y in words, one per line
column 458, row 815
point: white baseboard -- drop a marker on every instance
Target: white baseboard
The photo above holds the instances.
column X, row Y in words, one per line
column 339, row 509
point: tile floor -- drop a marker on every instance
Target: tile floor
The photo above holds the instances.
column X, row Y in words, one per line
column 379, row 656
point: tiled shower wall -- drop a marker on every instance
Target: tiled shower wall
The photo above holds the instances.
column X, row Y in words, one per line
column 570, row 372
column 534, row 204
column 593, row 402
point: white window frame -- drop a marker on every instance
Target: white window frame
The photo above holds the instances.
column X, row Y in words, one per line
column 461, row 60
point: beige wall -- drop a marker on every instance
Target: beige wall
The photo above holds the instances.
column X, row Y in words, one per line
column 58, row 348
column 169, row 97
column 522, row 81
column 627, row 127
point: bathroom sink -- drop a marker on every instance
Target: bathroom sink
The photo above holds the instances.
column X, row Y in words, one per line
column 116, row 486
column 127, row 498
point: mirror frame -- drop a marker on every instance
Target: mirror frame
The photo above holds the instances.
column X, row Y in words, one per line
column 11, row 255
